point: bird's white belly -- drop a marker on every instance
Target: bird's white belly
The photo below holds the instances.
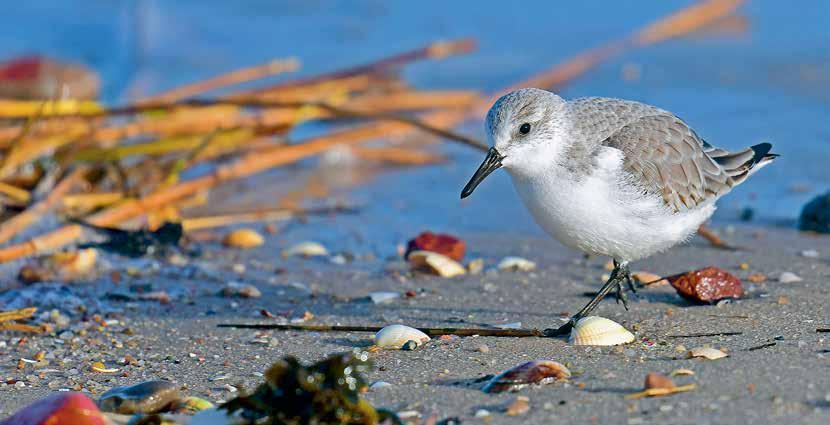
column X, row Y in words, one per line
column 597, row 217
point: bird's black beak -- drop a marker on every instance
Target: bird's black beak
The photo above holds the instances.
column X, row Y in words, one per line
column 491, row 163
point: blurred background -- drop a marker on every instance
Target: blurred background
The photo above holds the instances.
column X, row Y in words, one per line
column 759, row 74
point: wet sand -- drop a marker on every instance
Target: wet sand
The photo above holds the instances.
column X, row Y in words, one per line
column 783, row 383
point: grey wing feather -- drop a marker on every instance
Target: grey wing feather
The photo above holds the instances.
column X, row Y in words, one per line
column 671, row 160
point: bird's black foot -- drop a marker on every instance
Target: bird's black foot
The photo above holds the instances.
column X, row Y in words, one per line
column 621, row 274
column 562, row 330
column 621, row 297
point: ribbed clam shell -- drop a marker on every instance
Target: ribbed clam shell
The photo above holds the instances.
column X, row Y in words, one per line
column 595, row 330
column 539, row 372
column 395, row 336
column 439, row 264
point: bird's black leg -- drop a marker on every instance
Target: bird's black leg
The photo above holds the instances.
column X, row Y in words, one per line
column 619, row 275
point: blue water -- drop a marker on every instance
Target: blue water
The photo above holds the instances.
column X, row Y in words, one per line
column 771, row 83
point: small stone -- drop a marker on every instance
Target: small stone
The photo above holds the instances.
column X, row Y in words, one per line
column 757, row 277
column 482, row 413
column 146, row 397
column 789, row 277
column 243, row 290
column 243, row 238
column 379, row 385
column 383, row 297
column 483, row 349
column 410, row 345
column 810, row 253
column 518, row 406
column 815, row 216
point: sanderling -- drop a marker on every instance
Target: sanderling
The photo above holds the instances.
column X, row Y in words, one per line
column 608, row 176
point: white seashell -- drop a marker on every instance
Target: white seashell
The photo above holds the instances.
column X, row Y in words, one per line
column 595, row 330
column 789, row 277
column 395, row 336
column 516, row 264
column 306, row 249
column 707, row 353
column 476, row 266
column 439, row 264
column 382, row 297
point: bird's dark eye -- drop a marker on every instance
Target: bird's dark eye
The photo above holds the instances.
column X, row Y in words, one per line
column 525, row 128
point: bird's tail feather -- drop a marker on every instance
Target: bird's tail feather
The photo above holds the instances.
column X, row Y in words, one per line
column 740, row 165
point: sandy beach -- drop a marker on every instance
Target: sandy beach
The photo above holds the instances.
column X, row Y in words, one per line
column 784, row 381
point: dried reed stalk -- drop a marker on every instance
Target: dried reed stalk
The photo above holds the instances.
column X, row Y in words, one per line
column 12, row 226
column 23, row 313
column 238, row 76
column 254, row 163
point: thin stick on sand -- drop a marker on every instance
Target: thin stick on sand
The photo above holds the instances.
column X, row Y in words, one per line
column 512, row 333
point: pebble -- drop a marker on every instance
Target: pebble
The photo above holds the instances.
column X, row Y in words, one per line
column 144, row 397
column 519, row 406
column 409, row 345
column 482, row 413
column 378, row 385
column 789, row 277
column 244, row 290
column 810, row 253
column 483, row 349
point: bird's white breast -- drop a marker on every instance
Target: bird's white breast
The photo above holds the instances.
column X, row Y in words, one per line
column 602, row 212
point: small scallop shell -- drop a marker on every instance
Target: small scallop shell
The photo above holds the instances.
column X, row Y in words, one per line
column 395, row 336
column 539, row 372
column 243, row 238
column 439, row 264
column 707, row 353
column 595, row 330
column 75, row 263
column 516, row 264
column 306, row 249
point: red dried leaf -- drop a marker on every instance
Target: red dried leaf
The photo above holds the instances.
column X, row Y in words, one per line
column 443, row 244
column 707, row 285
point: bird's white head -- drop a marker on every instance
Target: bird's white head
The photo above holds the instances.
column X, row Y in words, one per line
column 525, row 129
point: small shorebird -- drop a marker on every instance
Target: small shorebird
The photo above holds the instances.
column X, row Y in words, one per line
column 608, row 176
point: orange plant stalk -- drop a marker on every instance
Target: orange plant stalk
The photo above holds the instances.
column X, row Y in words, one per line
column 265, row 159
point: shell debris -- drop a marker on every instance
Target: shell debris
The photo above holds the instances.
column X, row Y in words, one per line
column 516, row 264
column 707, row 353
column 396, row 336
column 306, row 249
column 439, row 264
column 536, row 372
column 595, row 330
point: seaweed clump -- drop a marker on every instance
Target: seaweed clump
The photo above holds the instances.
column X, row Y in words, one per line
column 326, row 392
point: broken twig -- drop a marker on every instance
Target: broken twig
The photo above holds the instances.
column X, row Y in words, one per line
column 515, row 333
